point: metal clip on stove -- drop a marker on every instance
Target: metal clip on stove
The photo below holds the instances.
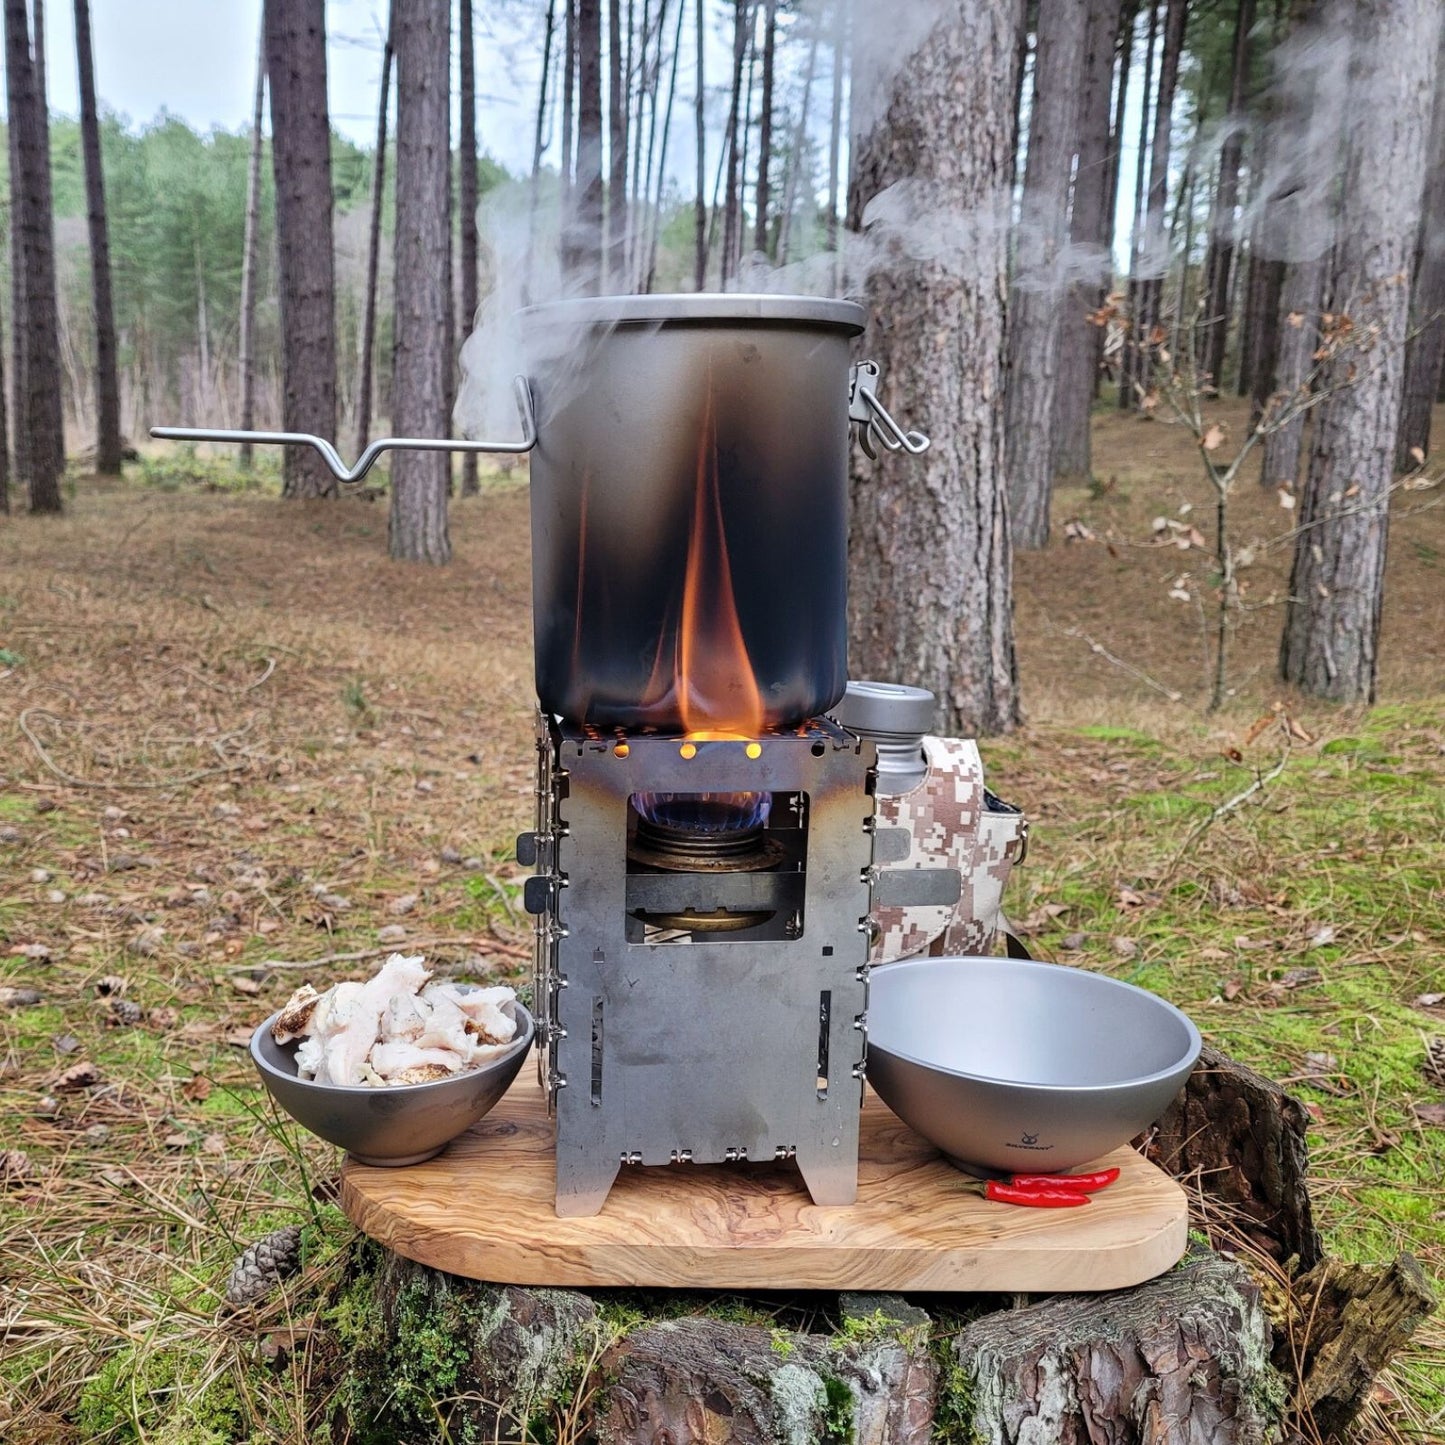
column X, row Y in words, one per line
column 368, row 459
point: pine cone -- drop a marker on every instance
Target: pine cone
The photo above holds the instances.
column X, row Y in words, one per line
column 262, row 1264
column 124, row 1013
column 1434, row 1066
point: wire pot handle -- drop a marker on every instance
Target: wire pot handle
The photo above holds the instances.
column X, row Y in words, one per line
column 370, row 456
column 874, row 422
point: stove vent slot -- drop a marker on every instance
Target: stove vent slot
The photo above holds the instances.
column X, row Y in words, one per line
column 597, row 1051
column 825, row 1021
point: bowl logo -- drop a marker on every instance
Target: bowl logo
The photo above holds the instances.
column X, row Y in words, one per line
column 1030, row 1142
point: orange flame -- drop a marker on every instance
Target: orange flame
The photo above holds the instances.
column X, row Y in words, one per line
column 717, row 692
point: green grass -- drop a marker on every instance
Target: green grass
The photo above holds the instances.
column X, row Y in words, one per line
column 1337, row 868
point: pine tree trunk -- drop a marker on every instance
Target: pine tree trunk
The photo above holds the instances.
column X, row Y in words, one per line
column 587, row 209
column 1261, row 342
column 1088, row 238
column 467, row 203
column 567, row 200
column 250, row 250
column 1330, row 646
column 762, row 220
column 1156, row 246
column 655, row 222
column 422, row 35
column 745, row 130
column 930, row 554
column 1426, row 348
column 1300, row 303
column 835, row 126
column 617, row 273
column 107, row 379
column 538, row 138
column 373, row 247
column 4, row 436
column 1037, row 300
column 795, row 159
column 1212, row 331
column 1125, row 64
column 742, row 14
column 38, row 410
column 301, row 158
column 17, row 296
column 699, row 264
column 1129, row 359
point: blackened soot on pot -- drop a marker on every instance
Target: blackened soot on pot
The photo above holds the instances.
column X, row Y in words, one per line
column 689, row 524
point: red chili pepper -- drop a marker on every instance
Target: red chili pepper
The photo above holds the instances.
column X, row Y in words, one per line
column 1034, row 1197
column 1083, row 1183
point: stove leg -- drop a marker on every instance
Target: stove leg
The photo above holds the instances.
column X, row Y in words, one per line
column 583, row 1186
column 830, row 1180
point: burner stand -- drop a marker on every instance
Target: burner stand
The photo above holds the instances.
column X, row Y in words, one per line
column 721, row 1044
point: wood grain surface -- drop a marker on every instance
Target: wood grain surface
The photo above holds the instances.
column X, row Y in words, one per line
column 484, row 1208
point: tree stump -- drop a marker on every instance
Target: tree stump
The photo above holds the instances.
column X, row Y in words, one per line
column 1183, row 1358
column 1241, row 1139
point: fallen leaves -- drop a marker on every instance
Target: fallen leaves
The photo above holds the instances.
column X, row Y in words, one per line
column 83, row 1075
column 1432, row 1115
column 19, row 997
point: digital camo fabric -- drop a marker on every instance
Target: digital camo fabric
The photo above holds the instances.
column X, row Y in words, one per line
column 951, row 824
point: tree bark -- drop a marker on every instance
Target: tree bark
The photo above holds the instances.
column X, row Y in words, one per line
column 1212, row 331
column 250, row 255
column 301, row 159
column 930, row 551
column 699, row 264
column 1129, row 359
column 4, row 436
column 1182, row 1358
column 38, row 417
column 1426, row 348
column 1088, row 238
column 422, row 37
column 585, row 223
column 1155, row 254
column 1261, row 335
column 1354, row 1318
column 1300, row 302
column 1330, row 646
column 617, row 273
column 107, row 378
column 762, row 220
column 365, row 385
column 467, row 203
column 1240, row 1139
column 1038, row 297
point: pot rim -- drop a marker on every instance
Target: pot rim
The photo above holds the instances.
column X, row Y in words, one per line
column 1184, row 1062
column 701, row 306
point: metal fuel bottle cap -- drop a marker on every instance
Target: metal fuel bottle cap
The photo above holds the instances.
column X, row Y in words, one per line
column 886, row 707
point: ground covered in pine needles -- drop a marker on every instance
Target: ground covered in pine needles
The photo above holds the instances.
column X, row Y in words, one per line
column 239, row 749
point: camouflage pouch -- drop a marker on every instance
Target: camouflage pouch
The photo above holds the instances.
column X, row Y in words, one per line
column 953, row 821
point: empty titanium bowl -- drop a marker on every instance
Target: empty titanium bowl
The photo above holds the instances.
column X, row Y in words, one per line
column 400, row 1124
column 1012, row 1066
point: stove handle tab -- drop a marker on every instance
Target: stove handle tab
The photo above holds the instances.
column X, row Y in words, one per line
column 372, row 454
column 874, row 421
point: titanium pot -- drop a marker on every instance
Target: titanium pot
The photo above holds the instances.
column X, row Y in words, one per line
column 689, row 503
column 689, row 507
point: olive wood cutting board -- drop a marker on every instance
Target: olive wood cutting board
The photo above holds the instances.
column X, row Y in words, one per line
column 484, row 1208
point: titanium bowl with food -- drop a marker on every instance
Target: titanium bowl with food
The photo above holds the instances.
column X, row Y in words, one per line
column 390, row 1070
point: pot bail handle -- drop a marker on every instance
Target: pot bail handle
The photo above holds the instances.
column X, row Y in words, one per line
column 873, row 420
column 369, row 457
